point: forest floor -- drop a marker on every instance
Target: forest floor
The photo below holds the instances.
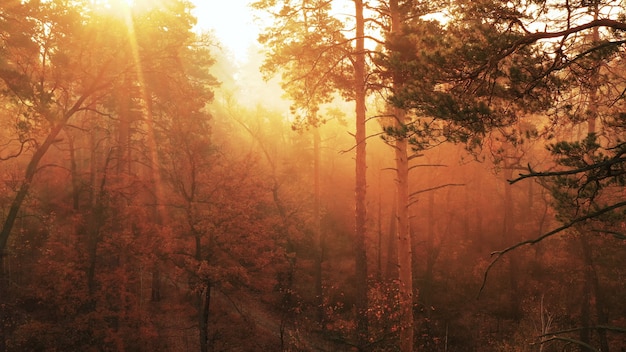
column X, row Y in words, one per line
column 291, row 336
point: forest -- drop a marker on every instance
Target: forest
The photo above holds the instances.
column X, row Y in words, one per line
column 378, row 175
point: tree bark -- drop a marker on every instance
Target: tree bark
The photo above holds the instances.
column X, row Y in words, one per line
column 391, row 271
column 319, row 255
column 508, row 234
column 361, row 179
column 204, row 306
column 405, row 265
column 431, row 253
column 405, row 248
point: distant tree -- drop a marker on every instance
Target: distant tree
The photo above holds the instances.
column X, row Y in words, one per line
column 306, row 30
column 306, row 68
column 91, row 85
column 48, row 82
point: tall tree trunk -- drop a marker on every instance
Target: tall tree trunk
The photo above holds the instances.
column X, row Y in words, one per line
column 3, row 325
column 431, row 255
column 4, row 321
column 405, row 248
column 203, row 305
column 73, row 173
column 29, row 175
column 319, row 255
column 508, row 234
column 361, row 179
column 592, row 291
column 592, row 294
column 160, row 215
column 391, row 271
column 33, row 164
column 405, row 265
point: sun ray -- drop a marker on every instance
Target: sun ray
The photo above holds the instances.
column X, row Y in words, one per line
column 147, row 110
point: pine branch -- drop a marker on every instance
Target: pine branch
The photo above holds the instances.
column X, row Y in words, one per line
column 533, row 173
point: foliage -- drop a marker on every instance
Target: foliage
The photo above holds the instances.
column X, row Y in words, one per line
column 139, row 214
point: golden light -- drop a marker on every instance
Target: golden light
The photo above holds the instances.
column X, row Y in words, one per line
column 233, row 22
column 124, row 6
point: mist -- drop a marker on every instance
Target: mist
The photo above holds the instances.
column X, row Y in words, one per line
column 367, row 181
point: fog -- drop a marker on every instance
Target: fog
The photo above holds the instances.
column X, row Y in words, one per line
column 160, row 193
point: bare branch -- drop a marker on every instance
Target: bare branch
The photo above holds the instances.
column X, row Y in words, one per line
column 354, row 146
column 501, row 253
column 435, row 188
column 618, row 235
column 598, row 327
column 16, row 154
column 567, row 339
column 590, row 167
column 426, row 165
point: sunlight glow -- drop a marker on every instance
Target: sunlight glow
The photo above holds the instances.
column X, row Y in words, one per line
column 233, row 24
column 125, row 6
column 112, row 4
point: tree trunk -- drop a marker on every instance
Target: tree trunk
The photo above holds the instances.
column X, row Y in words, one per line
column 592, row 291
column 31, row 170
column 405, row 248
column 391, row 272
column 361, row 180
column 405, row 267
column 592, row 294
column 426, row 293
column 73, row 173
column 585, row 315
column 204, row 305
column 508, row 235
column 319, row 255
column 3, row 316
column 156, row 284
column 33, row 164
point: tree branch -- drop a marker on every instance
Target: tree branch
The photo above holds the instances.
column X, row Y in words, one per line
column 598, row 327
column 590, row 167
column 435, row 188
column 567, row 339
column 354, row 146
column 577, row 220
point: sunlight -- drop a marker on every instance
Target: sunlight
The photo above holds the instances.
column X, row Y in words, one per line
column 112, row 4
column 124, row 6
column 234, row 25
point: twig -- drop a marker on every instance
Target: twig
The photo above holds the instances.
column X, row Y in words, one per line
column 618, row 235
column 435, row 188
column 567, row 339
column 363, row 141
column 598, row 327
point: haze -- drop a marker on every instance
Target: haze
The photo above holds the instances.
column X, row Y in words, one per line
column 361, row 179
column 233, row 23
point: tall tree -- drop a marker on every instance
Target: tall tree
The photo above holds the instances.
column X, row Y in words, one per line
column 309, row 42
column 504, row 69
column 43, row 72
column 404, row 245
column 80, row 55
column 360, row 93
column 402, row 18
column 508, row 67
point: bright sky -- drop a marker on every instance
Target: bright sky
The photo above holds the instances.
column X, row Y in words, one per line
column 233, row 22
